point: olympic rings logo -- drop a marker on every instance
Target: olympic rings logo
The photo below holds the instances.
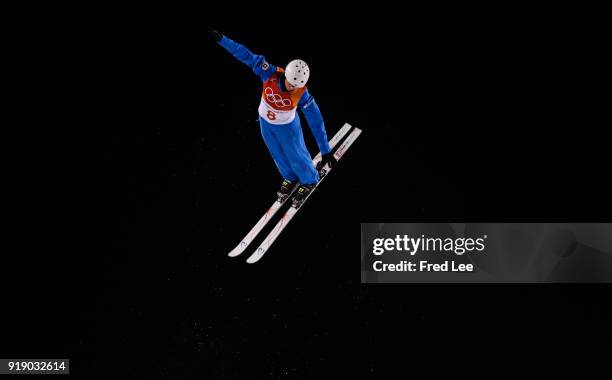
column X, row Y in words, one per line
column 276, row 99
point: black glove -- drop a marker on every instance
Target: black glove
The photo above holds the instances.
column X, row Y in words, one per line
column 327, row 158
column 215, row 35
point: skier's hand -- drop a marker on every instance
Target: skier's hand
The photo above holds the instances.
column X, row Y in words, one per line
column 215, row 35
column 327, row 158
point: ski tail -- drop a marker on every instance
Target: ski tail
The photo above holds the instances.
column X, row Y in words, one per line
column 347, row 143
column 278, row 204
column 334, row 141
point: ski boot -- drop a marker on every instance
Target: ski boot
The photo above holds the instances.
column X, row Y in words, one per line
column 301, row 194
column 285, row 191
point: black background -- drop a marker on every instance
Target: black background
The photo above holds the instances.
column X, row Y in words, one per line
column 462, row 121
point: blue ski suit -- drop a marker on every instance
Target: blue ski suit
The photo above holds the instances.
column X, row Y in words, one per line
column 283, row 132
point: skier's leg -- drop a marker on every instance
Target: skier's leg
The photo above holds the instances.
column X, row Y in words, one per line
column 292, row 142
column 276, row 151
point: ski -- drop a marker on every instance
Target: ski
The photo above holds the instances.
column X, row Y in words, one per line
column 280, row 201
column 282, row 223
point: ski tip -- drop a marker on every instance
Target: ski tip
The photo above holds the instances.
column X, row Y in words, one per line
column 256, row 256
column 238, row 250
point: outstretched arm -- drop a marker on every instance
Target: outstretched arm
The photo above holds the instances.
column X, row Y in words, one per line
column 311, row 111
column 257, row 63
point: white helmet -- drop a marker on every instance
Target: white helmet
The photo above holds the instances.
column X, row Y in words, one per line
column 297, row 73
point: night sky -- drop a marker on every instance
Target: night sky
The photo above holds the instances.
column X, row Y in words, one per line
column 458, row 125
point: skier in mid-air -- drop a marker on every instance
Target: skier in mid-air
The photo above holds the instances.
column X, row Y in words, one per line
column 283, row 91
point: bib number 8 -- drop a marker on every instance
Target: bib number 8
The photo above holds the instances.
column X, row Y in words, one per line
column 271, row 115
